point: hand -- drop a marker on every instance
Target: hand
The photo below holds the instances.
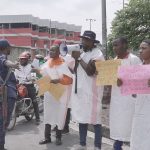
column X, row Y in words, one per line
column 55, row 81
column 119, row 82
column 76, row 54
column 134, row 95
column 16, row 65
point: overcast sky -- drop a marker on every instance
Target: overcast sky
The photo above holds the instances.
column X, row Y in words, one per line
column 69, row 11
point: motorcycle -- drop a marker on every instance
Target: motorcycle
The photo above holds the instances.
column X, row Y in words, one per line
column 23, row 107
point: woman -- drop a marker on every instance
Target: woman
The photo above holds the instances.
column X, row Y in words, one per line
column 141, row 124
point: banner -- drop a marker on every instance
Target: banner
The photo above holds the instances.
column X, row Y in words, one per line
column 135, row 79
column 107, row 72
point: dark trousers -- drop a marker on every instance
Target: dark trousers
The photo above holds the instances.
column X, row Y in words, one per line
column 32, row 94
column 47, row 132
column 10, row 107
column 83, row 133
column 118, row 145
column 66, row 127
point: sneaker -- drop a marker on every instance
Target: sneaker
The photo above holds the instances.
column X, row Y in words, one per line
column 58, row 141
column 65, row 131
column 45, row 141
column 79, row 147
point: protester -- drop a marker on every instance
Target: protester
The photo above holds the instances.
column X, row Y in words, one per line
column 23, row 75
column 70, row 63
column 7, row 96
column 141, row 123
column 55, row 110
column 86, row 96
column 121, row 107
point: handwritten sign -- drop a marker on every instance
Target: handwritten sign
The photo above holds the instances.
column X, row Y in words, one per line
column 44, row 85
column 107, row 72
column 135, row 79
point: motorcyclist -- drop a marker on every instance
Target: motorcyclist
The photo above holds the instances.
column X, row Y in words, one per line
column 24, row 76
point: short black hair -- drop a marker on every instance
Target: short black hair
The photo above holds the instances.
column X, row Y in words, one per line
column 122, row 39
column 147, row 41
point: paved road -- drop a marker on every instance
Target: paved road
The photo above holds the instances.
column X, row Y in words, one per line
column 26, row 136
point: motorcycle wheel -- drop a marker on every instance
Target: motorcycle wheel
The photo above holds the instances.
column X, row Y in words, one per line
column 13, row 119
column 29, row 116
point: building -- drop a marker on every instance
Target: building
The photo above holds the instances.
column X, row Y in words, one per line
column 26, row 32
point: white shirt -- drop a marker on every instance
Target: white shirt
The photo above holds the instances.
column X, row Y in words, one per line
column 24, row 74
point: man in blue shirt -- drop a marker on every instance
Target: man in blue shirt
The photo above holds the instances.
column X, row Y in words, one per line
column 6, row 104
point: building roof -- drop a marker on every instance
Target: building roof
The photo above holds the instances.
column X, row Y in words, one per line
column 37, row 21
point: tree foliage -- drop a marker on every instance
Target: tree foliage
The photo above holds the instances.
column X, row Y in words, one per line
column 133, row 22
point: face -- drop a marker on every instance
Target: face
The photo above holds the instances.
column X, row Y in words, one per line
column 118, row 47
column 87, row 44
column 23, row 61
column 54, row 52
column 144, row 51
column 7, row 50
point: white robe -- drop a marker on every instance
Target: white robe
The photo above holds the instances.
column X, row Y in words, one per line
column 122, row 108
column 55, row 110
column 86, row 103
column 140, row 136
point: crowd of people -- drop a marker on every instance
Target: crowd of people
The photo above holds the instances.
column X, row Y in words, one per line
column 82, row 98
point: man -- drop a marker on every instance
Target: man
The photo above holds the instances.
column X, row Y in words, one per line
column 7, row 97
column 23, row 75
column 70, row 63
column 86, row 96
column 55, row 110
column 121, row 107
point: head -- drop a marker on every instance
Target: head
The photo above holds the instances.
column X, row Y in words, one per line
column 54, row 51
column 120, row 46
column 88, row 40
column 5, row 47
column 145, row 50
column 23, row 59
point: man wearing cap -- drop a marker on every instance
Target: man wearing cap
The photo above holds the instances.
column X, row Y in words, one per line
column 23, row 75
column 86, row 96
column 7, row 97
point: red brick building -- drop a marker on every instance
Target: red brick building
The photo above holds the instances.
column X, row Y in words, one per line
column 35, row 34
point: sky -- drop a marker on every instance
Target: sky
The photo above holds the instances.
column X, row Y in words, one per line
column 69, row 11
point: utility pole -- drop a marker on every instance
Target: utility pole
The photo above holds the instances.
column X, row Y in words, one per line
column 104, row 28
column 50, row 31
column 123, row 4
column 91, row 20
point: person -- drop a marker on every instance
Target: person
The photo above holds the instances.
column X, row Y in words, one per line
column 86, row 96
column 121, row 107
column 141, row 123
column 55, row 110
column 69, row 60
column 23, row 75
column 7, row 98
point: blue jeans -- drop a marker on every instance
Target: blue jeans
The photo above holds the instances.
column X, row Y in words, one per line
column 10, row 107
column 83, row 133
column 118, row 145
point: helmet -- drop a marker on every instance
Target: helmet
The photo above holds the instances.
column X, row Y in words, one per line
column 38, row 56
column 24, row 55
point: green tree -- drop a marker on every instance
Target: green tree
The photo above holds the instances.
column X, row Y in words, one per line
column 133, row 22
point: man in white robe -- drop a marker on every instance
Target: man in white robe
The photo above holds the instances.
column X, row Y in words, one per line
column 122, row 107
column 86, row 96
column 55, row 110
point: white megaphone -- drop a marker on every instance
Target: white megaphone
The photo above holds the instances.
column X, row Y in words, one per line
column 67, row 49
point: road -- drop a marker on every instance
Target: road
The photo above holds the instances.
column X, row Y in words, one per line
column 27, row 135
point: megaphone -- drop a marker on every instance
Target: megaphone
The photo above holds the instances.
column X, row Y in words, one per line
column 67, row 49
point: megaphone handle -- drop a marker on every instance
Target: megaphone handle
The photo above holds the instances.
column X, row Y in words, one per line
column 76, row 82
